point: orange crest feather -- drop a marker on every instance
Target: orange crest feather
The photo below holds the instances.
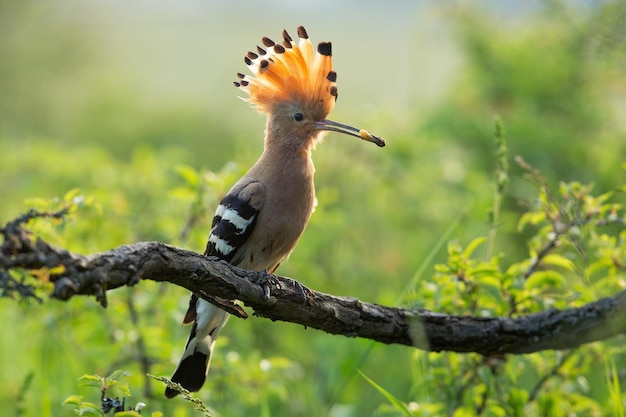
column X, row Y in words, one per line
column 291, row 72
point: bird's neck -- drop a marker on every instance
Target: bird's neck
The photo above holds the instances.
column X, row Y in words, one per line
column 285, row 161
column 290, row 152
column 288, row 158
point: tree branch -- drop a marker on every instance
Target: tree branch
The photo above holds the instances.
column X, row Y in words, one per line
column 218, row 282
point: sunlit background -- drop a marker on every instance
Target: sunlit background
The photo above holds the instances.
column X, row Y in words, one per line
column 132, row 103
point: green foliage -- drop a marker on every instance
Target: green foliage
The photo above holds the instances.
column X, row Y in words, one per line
column 432, row 221
column 569, row 227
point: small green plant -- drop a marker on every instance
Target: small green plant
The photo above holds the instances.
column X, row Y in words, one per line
column 108, row 404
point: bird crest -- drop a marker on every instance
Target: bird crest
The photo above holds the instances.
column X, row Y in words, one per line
column 290, row 72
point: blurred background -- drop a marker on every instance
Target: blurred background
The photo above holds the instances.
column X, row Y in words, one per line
column 132, row 105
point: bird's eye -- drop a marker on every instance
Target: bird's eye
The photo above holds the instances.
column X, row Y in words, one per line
column 298, row 117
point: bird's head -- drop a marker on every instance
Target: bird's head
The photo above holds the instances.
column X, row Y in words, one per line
column 295, row 86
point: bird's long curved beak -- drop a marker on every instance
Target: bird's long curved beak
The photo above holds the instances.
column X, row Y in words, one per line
column 349, row 130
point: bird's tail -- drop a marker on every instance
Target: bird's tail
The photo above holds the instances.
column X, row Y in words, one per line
column 194, row 364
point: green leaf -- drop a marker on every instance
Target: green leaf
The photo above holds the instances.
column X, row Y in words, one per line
column 89, row 377
column 442, row 268
column 492, row 286
column 471, row 247
column 122, row 387
column 532, row 218
column 119, row 373
column 400, row 406
column 73, row 399
column 559, row 260
column 89, row 409
column 545, row 279
column 91, row 381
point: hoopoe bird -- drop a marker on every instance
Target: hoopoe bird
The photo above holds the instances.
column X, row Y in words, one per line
column 259, row 221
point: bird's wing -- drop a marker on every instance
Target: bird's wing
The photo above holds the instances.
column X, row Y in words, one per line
column 234, row 220
column 233, row 224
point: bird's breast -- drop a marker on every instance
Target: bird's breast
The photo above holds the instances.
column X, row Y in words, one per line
column 289, row 203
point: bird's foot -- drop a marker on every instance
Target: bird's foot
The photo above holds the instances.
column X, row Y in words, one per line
column 268, row 280
column 265, row 281
column 303, row 291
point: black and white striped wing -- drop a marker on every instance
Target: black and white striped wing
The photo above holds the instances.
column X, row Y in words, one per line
column 234, row 221
column 232, row 225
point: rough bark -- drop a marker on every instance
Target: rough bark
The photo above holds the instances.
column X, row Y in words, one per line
column 279, row 298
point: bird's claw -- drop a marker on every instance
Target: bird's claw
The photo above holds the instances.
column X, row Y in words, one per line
column 268, row 280
column 303, row 291
column 265, row 281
